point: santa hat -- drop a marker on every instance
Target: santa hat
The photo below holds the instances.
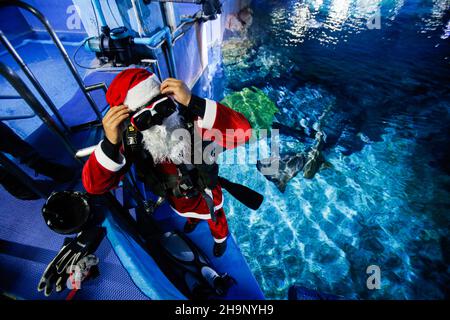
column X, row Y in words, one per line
column 133, row 88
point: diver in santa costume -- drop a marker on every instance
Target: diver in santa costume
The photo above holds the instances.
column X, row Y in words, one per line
column 142, row 104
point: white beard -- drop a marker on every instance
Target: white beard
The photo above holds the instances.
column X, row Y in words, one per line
column 164, row 147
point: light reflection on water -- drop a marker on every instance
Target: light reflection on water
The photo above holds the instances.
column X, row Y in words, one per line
column 324, row 20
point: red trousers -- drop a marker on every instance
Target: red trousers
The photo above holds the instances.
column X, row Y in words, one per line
column 219, row 229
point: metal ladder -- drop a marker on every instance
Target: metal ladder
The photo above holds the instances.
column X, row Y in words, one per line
column 33, row 102
column 85, row 89
column 61, row 130
column 38, row 109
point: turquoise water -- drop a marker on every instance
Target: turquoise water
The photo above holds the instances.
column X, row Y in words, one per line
column 385, row 200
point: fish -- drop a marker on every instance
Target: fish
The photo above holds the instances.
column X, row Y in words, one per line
column 314, row 163
column 289, row 166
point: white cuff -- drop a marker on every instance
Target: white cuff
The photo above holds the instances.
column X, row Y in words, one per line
column 220, row 240
column 210, row 115
column 201, row 216
column 106, row 162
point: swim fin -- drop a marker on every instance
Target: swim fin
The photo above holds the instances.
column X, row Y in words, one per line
column 245, row 195
column 194, row 267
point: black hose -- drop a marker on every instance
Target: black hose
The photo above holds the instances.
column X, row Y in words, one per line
column 74, row 57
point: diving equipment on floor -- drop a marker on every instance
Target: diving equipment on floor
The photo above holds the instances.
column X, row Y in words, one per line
column 60, row 268
column 194, row 266
column 183, row 262
column 166, row 264
column 81, row 271
column 66, row 212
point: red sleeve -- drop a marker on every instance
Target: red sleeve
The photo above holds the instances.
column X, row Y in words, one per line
column 225, row 126
column 100, row 173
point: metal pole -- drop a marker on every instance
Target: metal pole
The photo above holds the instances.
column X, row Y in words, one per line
column 60, row 47
column 99, row 12
column 34, row 103
column 26, row 116
column 32, row 78
column 171, row 54
column 97, row 86
column 15, row 170
column 169, row 15
column 138, row 19
column 165, row 12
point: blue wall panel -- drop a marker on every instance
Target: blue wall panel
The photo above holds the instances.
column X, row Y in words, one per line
column 15, row 24
column 62, row 15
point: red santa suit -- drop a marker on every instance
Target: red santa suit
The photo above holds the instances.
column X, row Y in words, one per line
column 135, row 88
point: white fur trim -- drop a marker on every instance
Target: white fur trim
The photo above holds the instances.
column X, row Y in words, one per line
column 219, row 206
column 220, row 240
column 199, row 215
column 106, row 162
column 210, row 115
column 142, row 93
column 193, row 215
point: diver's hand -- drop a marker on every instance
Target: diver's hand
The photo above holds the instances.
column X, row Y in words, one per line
column 177, row 89
column 112, row 123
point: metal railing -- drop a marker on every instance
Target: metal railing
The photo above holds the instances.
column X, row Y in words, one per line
column 27, row 95
column 15, row 170
column 15, row 117
column 4, row 40
column 62, row 50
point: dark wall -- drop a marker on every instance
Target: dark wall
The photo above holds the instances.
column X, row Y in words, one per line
column 12, row 22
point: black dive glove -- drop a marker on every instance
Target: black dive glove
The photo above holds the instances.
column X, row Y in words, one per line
column 56, row 275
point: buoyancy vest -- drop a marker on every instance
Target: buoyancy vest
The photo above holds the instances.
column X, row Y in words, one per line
column 188, row 180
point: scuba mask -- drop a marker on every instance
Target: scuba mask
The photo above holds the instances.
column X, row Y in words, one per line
column 154, row 113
